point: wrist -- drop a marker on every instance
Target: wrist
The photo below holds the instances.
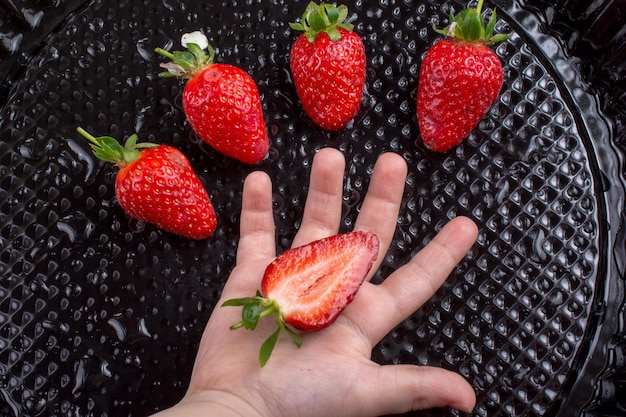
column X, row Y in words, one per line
column 210, row 403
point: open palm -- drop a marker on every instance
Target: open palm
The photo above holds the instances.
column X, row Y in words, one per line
column 332, row 373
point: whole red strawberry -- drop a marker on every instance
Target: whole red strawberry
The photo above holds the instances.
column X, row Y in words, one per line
column 156, row 184
column 328, row 66
column 309, row 286
column 221, row 101
column 459, row 80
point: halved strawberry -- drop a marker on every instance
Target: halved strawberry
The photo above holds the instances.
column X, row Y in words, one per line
column 309, row 286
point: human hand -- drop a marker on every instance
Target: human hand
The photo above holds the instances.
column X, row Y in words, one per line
column 332, row 373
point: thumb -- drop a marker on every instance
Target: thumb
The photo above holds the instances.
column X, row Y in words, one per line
column 403, row 388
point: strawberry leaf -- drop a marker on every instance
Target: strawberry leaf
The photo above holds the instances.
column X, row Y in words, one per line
column 316, row 22
column 184, row 64
column 331, row 12
column 334, row 34
column 201, row 57
column 469, row 26
column 342, row 15
column 239, row 302
column 297, row 27
column 268, row 347
column 185, row 59
column 109, row 149
column 491, row 25
column 250, row 315
column 499, row 38
column 294, row 336
column 254, row 309
column 323, row 18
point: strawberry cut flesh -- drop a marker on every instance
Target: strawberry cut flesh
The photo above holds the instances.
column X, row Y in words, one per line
column 312, row 284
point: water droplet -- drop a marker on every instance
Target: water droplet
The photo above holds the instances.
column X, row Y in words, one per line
column 11, row 41
column 154, row 117
column 55, row 326
column 84, row 156
column 36, row 146
column 76, row 226
column 144, row 49
column 90, row 375
column 96, row 48
column 35, row 404
column 129, row 330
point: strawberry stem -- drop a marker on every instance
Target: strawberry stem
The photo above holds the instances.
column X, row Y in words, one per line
column 109, row 149
column 165, row 53
column 87, row 135
column 254, row 309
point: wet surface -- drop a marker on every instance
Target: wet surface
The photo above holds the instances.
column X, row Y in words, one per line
column 101, row 314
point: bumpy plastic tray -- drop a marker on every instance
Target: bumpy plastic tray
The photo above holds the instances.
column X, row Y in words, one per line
column 101, row 314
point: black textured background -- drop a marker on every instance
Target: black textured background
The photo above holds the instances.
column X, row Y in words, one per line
column 101, row 314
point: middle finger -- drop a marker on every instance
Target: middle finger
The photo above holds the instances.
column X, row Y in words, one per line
column 379, row 212
column 322, row 210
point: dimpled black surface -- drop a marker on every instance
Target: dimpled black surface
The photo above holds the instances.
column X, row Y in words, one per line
column 101, row 314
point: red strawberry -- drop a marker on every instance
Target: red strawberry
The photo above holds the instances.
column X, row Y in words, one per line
column 221, row 101
column 460, row 78
column 156, row 184
column 328, row 66
column 309, row 286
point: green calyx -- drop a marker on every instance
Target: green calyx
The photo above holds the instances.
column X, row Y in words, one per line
column 323, row 18
column 469, row 26
column 254, row 309
column 184, row 64
column 110, row 150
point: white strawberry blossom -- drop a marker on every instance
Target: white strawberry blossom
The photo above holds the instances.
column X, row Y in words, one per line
column 196, row 37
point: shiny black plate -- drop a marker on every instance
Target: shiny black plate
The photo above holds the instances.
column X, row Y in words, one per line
column 101, row 314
